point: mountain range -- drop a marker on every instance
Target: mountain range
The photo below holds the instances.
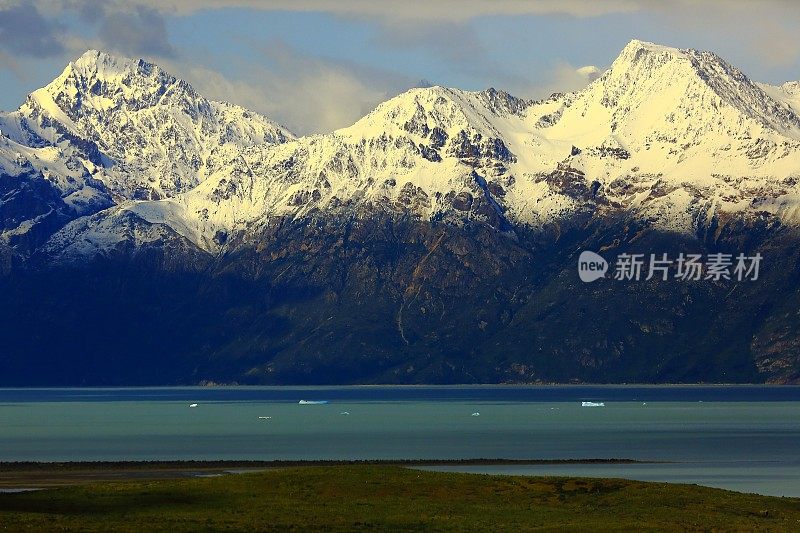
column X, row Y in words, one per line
column 149, row 235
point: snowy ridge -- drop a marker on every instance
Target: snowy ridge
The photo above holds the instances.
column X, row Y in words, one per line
column 788, row 94
column 414, row 152
column 151, row 132
column 669, row 136
column 682, row 122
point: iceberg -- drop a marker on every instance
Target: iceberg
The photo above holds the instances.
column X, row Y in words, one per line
column 312, row 402
column 593, row 404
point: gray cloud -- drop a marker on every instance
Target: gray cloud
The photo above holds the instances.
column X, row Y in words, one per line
column 452, row 10
column 24, row 31
column 139, row 31
column 314, row 94
column 453, row 41
column 131, row 28
column 767, row 27
column 458, row 10
column 456, row 45
column 563, row 78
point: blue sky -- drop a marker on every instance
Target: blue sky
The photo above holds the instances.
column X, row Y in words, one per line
column 316, row 65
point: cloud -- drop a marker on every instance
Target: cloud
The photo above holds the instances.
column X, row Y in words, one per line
column 460, row 10
column 767, row 27
column 24, row 31
column 455, row 42
column 442, row 10
column 40, row 28
column 561, row 79
column 455, row 45
column 766, row 30
column 316, row 94
column 140, row 30
column 566, row 78
column 307, row 94
column 313, row 94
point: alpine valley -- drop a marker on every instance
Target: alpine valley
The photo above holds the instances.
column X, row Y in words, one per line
column 150, row 236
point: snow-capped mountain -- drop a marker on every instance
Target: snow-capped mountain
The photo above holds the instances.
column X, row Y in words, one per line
column 674, row 136
column 111, row 129
column 153, row 132
column 444, row 210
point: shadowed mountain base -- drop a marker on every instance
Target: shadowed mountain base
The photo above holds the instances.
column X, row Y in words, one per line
column 403, row 301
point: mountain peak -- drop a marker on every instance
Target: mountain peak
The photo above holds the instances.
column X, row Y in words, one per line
column 102, row 58
column 683, row 79
column 437, row 106
column 97, row 65
column 791, row 87
column 641, row 60
column 153, row 132
column 636, row 45
column 101, row 64
column 637, row 52
column 92, row 56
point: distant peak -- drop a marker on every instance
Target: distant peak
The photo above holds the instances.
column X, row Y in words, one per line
column 642, row 50
column 644, row 57
column 90, row 55
column 94, row 57
column 424, row 93
column 637, row 50
column 636, row 45
column 98, row 72
column 105, row 64
column 646, row 72
column 791, row 87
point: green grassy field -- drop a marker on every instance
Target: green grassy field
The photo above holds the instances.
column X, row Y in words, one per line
column 391, row 498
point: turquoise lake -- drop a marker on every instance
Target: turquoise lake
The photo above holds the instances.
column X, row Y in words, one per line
column 743, row 438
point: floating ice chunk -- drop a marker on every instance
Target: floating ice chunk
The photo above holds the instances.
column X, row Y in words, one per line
column 264, row 417
column 344, row 413
column 476, row 414
column 192, row 405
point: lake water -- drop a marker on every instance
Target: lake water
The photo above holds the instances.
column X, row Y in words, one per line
column 739, row 437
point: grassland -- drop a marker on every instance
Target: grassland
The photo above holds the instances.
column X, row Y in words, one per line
column 381, row 497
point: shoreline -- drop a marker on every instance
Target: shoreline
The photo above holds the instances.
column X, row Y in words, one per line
column 401, row 385
column 41, row 475
column 6, row 466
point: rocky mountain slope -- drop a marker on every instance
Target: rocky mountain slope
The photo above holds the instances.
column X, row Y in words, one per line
column 434, row 240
